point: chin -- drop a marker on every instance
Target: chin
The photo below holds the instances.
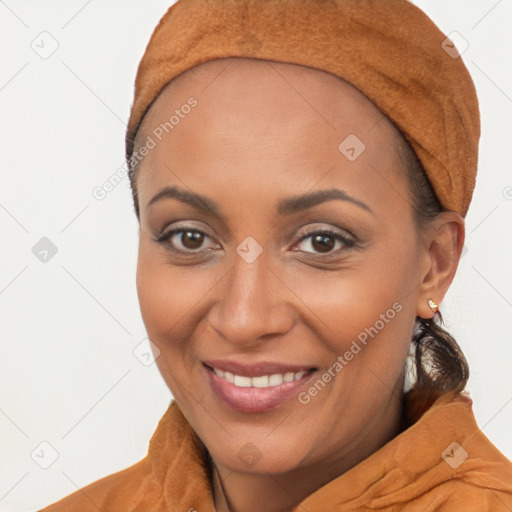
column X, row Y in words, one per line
column 249, row 458
column 253, row 451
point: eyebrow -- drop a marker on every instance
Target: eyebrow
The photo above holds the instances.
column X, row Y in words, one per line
column 297, row 203
column 286, row 206
column 193, row 199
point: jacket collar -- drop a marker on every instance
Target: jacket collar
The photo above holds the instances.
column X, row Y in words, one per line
column 444, row 444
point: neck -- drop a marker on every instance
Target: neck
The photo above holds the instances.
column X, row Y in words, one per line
column 253, row 492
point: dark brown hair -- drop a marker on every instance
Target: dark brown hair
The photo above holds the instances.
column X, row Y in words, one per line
column 440, row 365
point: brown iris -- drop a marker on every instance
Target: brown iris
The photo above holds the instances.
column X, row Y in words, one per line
column 192, row 239
column 323, row 243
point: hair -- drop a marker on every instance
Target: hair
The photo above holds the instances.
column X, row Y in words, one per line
column 132, row 175
column 438, row 361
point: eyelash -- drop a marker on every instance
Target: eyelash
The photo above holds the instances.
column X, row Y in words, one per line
column 345, row 240
column 166, row 236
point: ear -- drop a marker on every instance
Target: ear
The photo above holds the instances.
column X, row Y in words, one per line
column 444, row 241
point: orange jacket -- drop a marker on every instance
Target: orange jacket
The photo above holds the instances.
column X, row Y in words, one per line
column 443, row 462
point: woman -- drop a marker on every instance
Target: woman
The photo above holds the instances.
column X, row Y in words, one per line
column 301, row 172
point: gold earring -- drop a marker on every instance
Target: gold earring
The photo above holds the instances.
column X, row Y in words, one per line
column 432, row 305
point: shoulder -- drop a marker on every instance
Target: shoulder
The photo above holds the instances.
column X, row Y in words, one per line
column 124, row 490
column 473, row 475
column 475, row 495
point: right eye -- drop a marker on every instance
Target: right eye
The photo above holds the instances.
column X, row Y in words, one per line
column 184, row 240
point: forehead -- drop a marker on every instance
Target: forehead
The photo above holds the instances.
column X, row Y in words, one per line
column 246, row 86
column 269, row 118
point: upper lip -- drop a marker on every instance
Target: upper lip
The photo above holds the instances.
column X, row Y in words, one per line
column 256, row 369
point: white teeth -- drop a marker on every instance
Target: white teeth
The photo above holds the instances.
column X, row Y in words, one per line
column 242, row 382
column 220, row 373
column 263, row 381
column 260, row 382
column 275, row 380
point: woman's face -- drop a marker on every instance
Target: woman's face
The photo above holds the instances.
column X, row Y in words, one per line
column 279, row 263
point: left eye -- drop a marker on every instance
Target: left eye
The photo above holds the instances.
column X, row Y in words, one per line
column 322, row 242
column 184, row 240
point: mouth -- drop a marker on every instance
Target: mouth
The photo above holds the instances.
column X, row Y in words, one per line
column 255, row 388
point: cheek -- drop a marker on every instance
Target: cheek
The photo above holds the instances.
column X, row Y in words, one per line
column 365, row 315
column 167, row 294
column 166, row 297
column 173, row 301
column 355, row 298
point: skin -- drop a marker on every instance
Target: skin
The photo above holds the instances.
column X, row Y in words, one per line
column 262, row 132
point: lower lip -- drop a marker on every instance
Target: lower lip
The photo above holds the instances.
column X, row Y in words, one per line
column 252, row 400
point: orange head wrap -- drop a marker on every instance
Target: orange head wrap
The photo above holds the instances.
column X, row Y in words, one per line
column 390, row 50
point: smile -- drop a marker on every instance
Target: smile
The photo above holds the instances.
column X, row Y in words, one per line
column 255, row 388
column 264, row 381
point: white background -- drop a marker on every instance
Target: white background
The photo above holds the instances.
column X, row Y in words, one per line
column 69, row 326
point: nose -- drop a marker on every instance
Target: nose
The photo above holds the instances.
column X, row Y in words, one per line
column 253, row 303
